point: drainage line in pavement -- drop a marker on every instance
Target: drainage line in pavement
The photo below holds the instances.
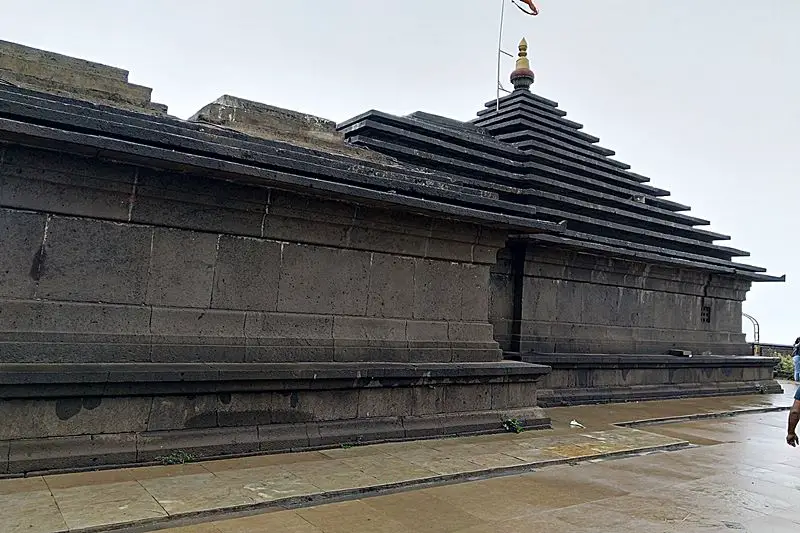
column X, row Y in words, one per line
column 701, row 416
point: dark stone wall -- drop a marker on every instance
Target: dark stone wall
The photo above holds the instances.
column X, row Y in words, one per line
column 104, row 262
column 581, row 303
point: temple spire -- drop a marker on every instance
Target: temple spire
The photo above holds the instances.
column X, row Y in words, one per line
column 522, row 77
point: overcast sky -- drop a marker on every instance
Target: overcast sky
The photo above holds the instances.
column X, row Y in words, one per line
column 702, row 96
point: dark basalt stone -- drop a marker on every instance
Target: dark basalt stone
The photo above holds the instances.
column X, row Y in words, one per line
column 256, row 279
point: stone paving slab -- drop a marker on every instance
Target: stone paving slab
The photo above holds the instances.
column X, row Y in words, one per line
column 748, row 482
column 95, row 501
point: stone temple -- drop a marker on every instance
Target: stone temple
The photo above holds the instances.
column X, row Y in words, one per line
column 255, row 279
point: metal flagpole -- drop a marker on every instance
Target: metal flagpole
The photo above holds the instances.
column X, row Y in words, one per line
column 500, row 49
column 500, row 53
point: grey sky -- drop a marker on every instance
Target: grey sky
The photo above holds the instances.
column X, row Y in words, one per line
column 699, row 95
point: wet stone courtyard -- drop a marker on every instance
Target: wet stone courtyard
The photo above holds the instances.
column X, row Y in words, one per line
column 709, row 473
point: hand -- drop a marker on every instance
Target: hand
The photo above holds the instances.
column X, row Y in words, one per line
column 791, row 439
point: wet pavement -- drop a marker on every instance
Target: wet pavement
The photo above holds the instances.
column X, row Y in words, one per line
column 739, row 476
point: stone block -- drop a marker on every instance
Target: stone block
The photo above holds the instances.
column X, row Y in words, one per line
column 293, row 407
column 58, row 453
column 393, row 221
column 5, row 449
column 203, row 442
column 283, row 437
column 387, row 241
column 41, row 58
column 310, row 208
column 245, row 409
column 379, row 329
column 495, row 238
column 289, row 354
column 453, row 230
column 27, row 419
column 62, row 183
column 90, row 260
column 501, row 297
column 171, row 323
column 726, row 315
column 569, row 302
column 479, row 353
column 502, row 266
column 193, row 350
column 289, row 326
column 601, row 304
column 542, row 267
column 420, row 330
column 636, row 308
column 183, row 412
column 391, row 286
column 484, row 255
column 297, row 218
column 449, row 250
column 316, row 279
column 453, row 424
column 419, row 427
column 181, row 268
column 84, row 318
column 684, row 375
column 290, row 228
column 437, row 290
column 193, row 202
column 355, row 431
column 246, row 274
column 105, row 350
column 349, row 351
column 656, row 284
column 539, row 299
column 464, row 398
column 385, row 402
column 475, row 292
column 62, row 75
column 578, row 332
column 314, row 405
column 578, row 274
column 502, row 328
column 470, row 332
column 427, row 400
column 21, row 238
column 424, row 353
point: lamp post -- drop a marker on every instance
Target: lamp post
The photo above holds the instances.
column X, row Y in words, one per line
column 756, row 334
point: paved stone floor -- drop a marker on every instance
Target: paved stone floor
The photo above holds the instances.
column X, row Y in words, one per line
column 738, row 476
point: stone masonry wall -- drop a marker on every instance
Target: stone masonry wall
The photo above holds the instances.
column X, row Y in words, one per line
column 580, row 303
column 104, row 262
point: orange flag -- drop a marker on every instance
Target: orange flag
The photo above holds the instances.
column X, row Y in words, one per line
column 533, row 10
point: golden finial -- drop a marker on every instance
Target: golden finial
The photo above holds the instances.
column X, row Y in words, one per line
column 522, row 77
column 523, row 61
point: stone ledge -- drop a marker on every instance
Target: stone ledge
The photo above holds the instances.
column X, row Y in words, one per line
column 65, row 380
column 580, row 396
column 606, row 361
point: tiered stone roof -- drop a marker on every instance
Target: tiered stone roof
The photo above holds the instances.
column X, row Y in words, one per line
column 520, row 165
column 523, row 149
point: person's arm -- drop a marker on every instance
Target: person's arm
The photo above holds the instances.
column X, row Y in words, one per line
column 794, row 418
